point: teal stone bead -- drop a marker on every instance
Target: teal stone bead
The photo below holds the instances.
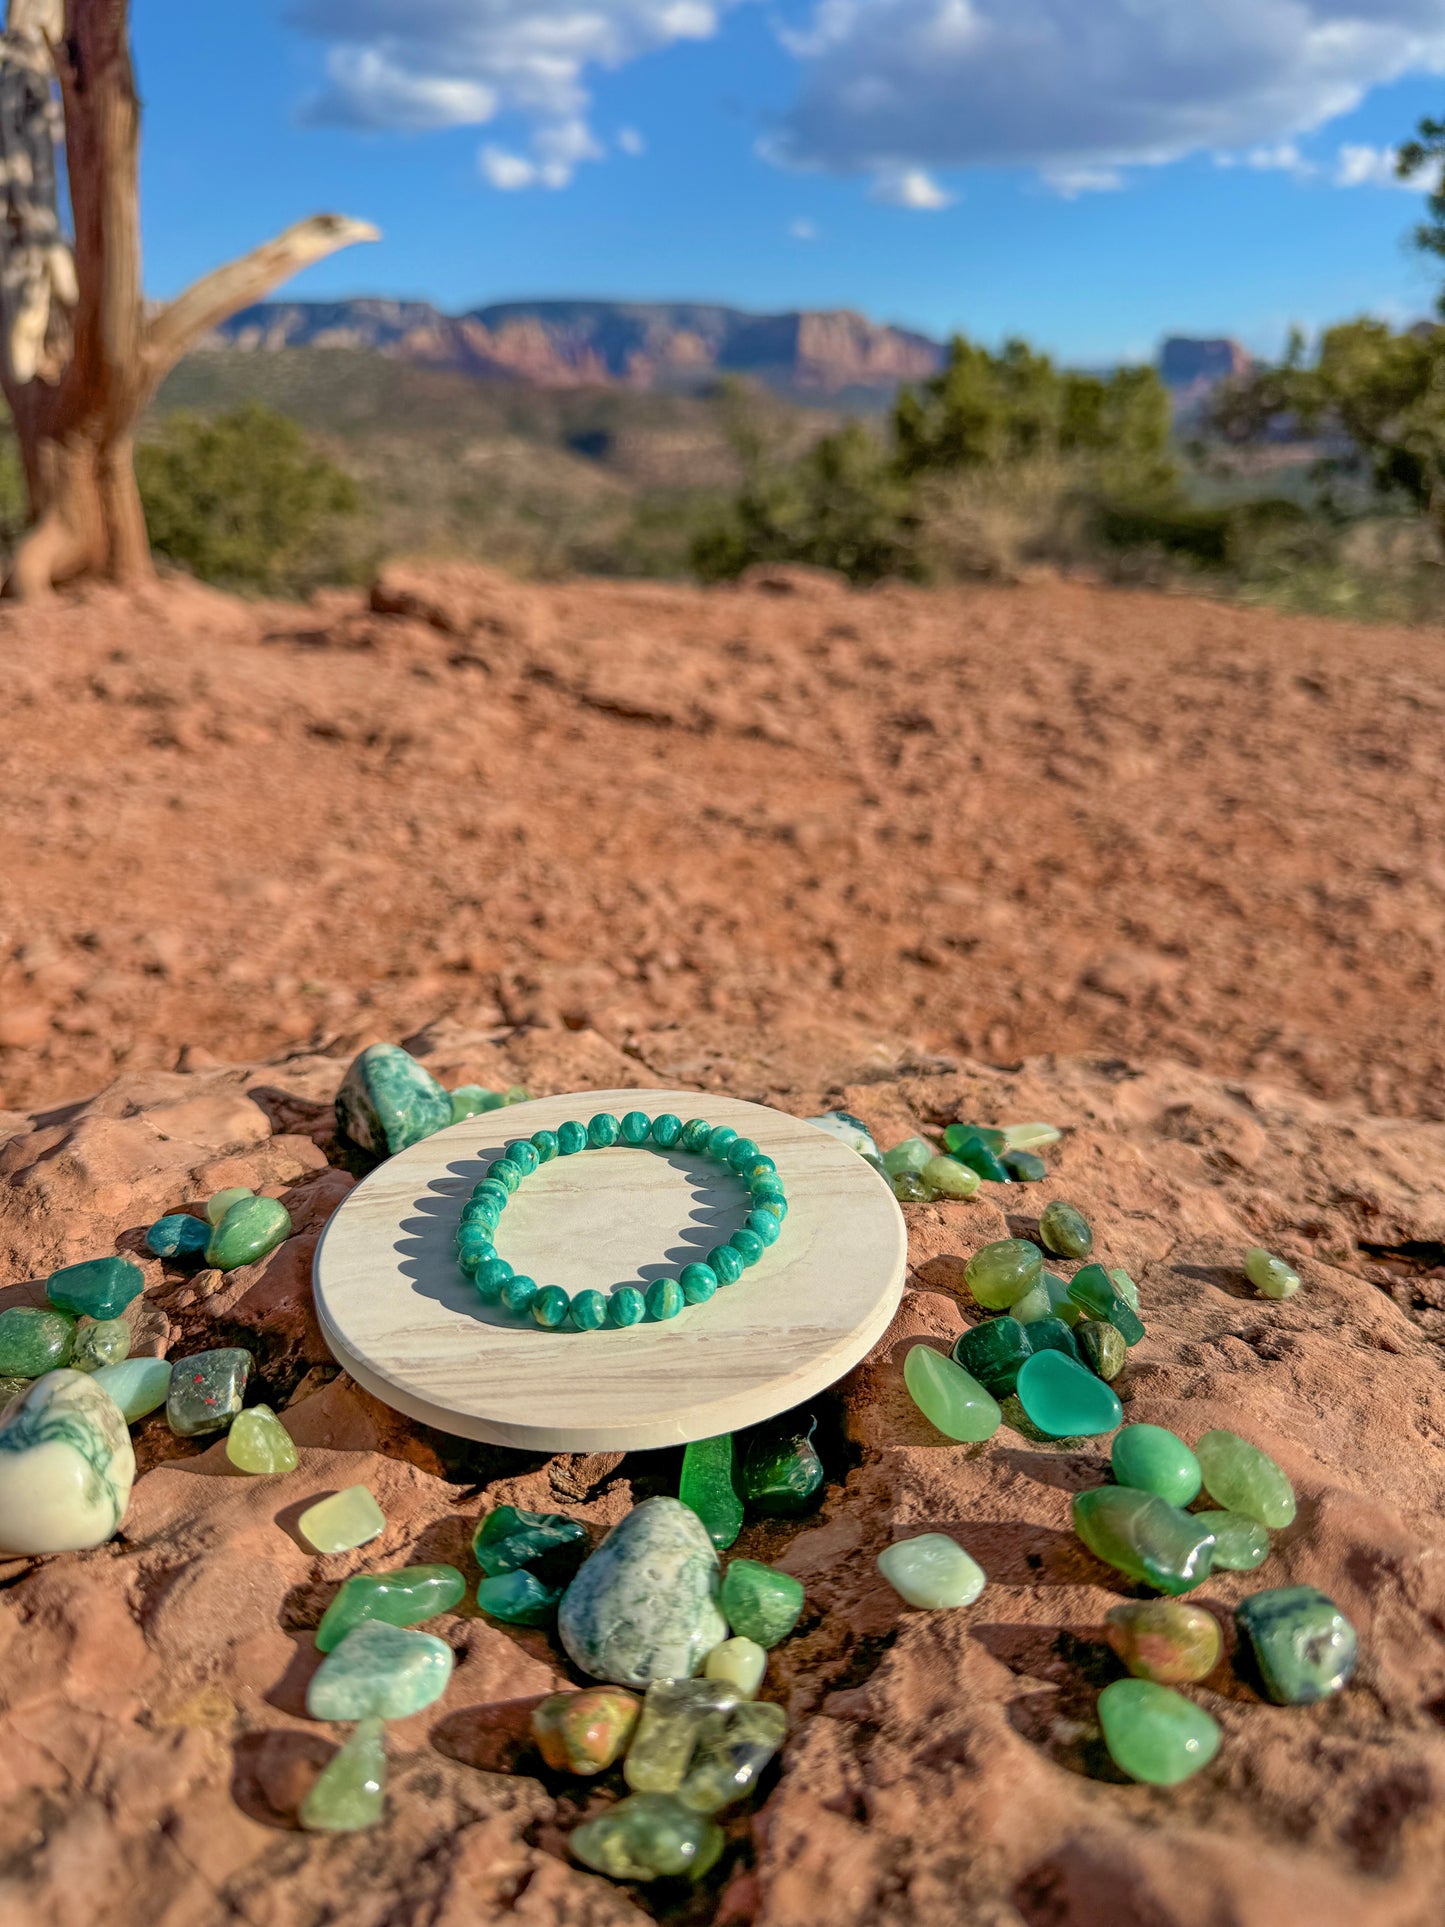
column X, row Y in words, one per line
column 695, row 1134
column 571, row 1138
column 480, row 1210
column 635, row 1127
column 544, row 1143
column 720, row 1140
column 760, row 1168
column 666, row 1130
column 402, row 1598
column 138, row 1385
column 524, row 1154
column 178, row 1236
column 626, row 1306
column 388, row 1101
column 602, row 1130
column 1003, row 1271
column 726, row 1264
column 100, row 1287
column 206, row 1390
column 777, row 1207
column 381, row 1672
column 509, row 1538
column 1153, row 1460
column 1094, row 1290
column 1064, row 1230
column 476, row 1250
column 551, row 1307
column 1144, row 1537
column 34, row 1341
column 748, row 1245
column 767, row 1227
column 518, row 1293
column 250, row 1229
column 470, row 1100
column 1301, row 1643
column 741, row 1153
column 502, row 1171
column 520, row 1599
column 664, row 1298
column 994, row 1353
column 765, row 1190
column 1066, row 1400
column 699, row 1283
column 648, row 1836
column 1241, row 1478
column 1154, row 1734
column 491, row 1191
column 1240, row 1544
column 589, row 1311
column 489, row 1278
column 1024, row 1167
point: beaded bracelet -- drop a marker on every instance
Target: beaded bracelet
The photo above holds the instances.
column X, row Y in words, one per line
column 549, row 1305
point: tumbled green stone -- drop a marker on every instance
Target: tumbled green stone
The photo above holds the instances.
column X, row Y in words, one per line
column 220, row 1202
column 1144, row 1537
column 1064, row 1398
column 1003, row 1271
column 1035, row 1304
column 983, row 1160
column 251, row 1228
column 1100, row 1297
column 644, row 1605
column 138, row 1385
column 550, row 1307
column 731, row 1751
column 1127, row 1289
column 950, row 1179
column 350, row 1793
column 571, row 1138
column 635, row 1127
column 626, row 1306
column 508, row 1538
column 377, row 1671
column 589, row 1310
column 34, row 1341
column 402, row 1598
column 585, row 1732
column 961, row 1137
column 1053, row 1335
column 911, row 1155
column 649, row 1836
column 206, row 1390
column 1065, row 1230
column 1241, row 1478
column 664, row 1299
column 517, row 1294
column 666, row 1130
column 1062, row 1305
column 1270, row 1276
column 759, row 1602
column 1102, row 1347
column 932, row 1571
column 99, row 1288
column 738, row 1662
column 1165, row 1640
column 544, row 1143
column 950, row 1398
column 471, row 1100
column 1154, row 1734
column 1023, row 1167
column 672, row 1712
column 909, row 1188
column 1240, row 1544
column 1302, row 1644
column 698, row 1282
column 709, row 1487
column 520, row 1599
column 178, row 1236
column 1151, row 1459
column 695, row 1134
column 741, row 1153
column 259, row 1442
column 522, row 1152
column 345, row 1520
column 993, row 1353
column 602, row 1130
column 1030, row 1137
column 726, row 1264
column 782, row 1475
column 388, row 1101
column 490, row 1277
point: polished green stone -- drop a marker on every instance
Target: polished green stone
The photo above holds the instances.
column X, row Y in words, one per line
column 34, row 1340
column 649, row 1836
column 768, row 1201
column 747, row 1244
column 1154, row 1734
column 909, row 1188
column 206, row 1390
column 932, row 1571
column 517, row 1294
column 493, row 1194
column 402, row 1598
column 1065, row 1230
column 585, row 1732
column 635, row 1127
column 765, row 1225
column 759, row 1602
column 664, row 1299
column 1095, row 1291
column 520, row 1599
column 695, row 1134
column 1023, row 1167
column 378, row 1671
column 342, row 1521
column 911, row 1155
column 761, row 1168
column 490, row 1277
column 731, row 1751
column 666, row 1130
column 983, row 1160
column 962, row 1137
column 251, row 1228
column 551, row 1307
column 589, row 1310
column 699, row 1283
column 782, row 1475
column 742, row 1153
column 1063, row 1306
column 1144, row 1537
column 509, row 1538
column 709, row 1486
column 471, row 1100
column 1035, row 1304
column 474, row 1247
column 1302, row 1644
column 626, row 1306
column 504, row 1172
column 1101, row 1347
column 178, row 1236
column 388, row 1100
column 1240, row 1544
column 1126, row 1287
column 1166, row 1640
column 738, row 1662
column 1003, row 1271
column 993, row 1353
column 1030, row 1137
column 1053, row 1335
column 98, row 1288
column 258, row 1442
column 138, row 1385
column 1270, row 1276
column 726, row 1264
column 644, row 1605
column 1064, row 1398
column 950, row 1398
column 571, row 1138
column 672, row 1713
column 522, row 1152
column 1241, row 1478
column 947, row 1178
column 350, row 1792
column 544, row 1143
column 720, row 1140
column 602, row 1130
column 220, row 1202
column 1151, row 1459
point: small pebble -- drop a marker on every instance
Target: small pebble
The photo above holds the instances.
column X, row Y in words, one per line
column 1303, row 1646
column 1166, row 1640
column 1241, row 1478
column 99, row 1288
column 911, row 1155
column 1270, row 1276
column 1065, row 1399
column 1003, row 1272
column 346, row 1519
column 950, row 1398
column 1240, row 1544
column 932, row 1571
column 1024, row 1168
column 100, row 1342
column 220, row 1202
column 759, row 1602
column 379, row 1672
column 586, row 1732
column 950, row 1179
column 178, row 1236
column 350, row 1793
column 739, row 1662
column 138, row 1385
column 1154, row 1734
column 1151, row 1459
column 258, row 1442
column 1065, row 1230
column 1102, row 1346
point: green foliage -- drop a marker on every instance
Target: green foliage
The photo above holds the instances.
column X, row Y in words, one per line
column 1427, row 151
column 242, row 500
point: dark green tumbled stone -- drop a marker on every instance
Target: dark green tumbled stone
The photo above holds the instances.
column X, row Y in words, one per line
column 747, row 1244
column 1144, row 1537
column 1102, row 1347
column 508, row 1537
column 490, row 1276
column 1024, row 1167
column 648, row 1836
column 1095, row 1290
column 551, row 1307
column 589, row 1311
column 726, row 1264
column 720, row 1140
column 178, row 1236
column 768, row 1227
column 523, row 1153
column 517, row 1294
column 602, row 1130
column 666, row 1130
column 782, row 1474
column 544, row 1143
column 388, row 1101
column 993, row 1353
column 1053, row 1335
column 695, row 1134
column 635, row 1127
column 502, row 1171
column 959, row 1137
column 708, row 1487
column 626, row 1306
column 34, row 1340
column 520, row 1599
column 98, row 1288
column 571, row 1138
column 699, row 1283
column 206, row 1390
column 664, row 1299
column 1302, row 1644
column 1064, row 1230
column 987, row 1163
column 742, row 1152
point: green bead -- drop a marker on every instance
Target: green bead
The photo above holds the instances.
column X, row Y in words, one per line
column 1302, row 1645
column 726, row 1264
column 550, row 1307
column 908, row 1187
column 695, row 1134
column 485, row 1211
column 760, row 1603
column 699, row 1283
column 762, row 1168
column 138, row 1385
column 206, row 1390
column 350, row 1792
column 994, row 1353
column 34, row 1341
column 731, row 1751
column 1064, row 1230
column 259, row 1443
column 666, row 1130
column 470, row 1100
column 765, row 1225
column 589, row 1311
column 508, row 1538
column 767, row 1190
column 493, row 1192
column 517, row 1294
column 380, row 1672
column 388, row 1101
column 1270, row 1276
column 519, row 1598
column 626, row 1306
column 720, row 1140
column 489, row 1278
column 948, row 1397
column 708, row 1487
column 1023, row 1167
column 1095, row 1291
column 747, row 1244
column 1166, row 1640
column 345, row 1520
column 523, row 1153
column 1003, row 1271
column 1153, row 1460
column 911, row 1155
column 947, row 1178
column 961, row 1137
column 649, row 1836
column 1240, row 1544
column 635, row 1127
column 250, row 1229
column 741, row 1153
column 1154, row 1734
column 777, row 1206
column 178, row 1236
column 220, row 1202
column 664, row 1299
column 1144, row 1537
column 403, row 1598
column 1064, row 1398
column 101, row 1287
column 1102, row 1347
column 544, row 1143
column 504, row 1172
column 571, row 1138
column 474, row 1247
column 782, row 1474
column 602, row 1130
column 1241, row 1478
column 932, row 1571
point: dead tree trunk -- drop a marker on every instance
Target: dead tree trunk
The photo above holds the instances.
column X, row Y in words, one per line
column 81, row 357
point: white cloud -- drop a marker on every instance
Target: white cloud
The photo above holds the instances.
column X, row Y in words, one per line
column 1073, row 181
column 803, row 229
column 505, row 170
column 1359, row 166
column 631, row 142
column 913, row 187
column 1283, row 157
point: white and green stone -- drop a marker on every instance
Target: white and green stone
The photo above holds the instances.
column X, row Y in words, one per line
column 644, row 1606
column 379, row 1671
column 66, row 1466
column 932, row 1570
column 388, row 1101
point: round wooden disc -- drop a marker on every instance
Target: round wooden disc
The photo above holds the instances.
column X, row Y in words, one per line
column 407, row 1324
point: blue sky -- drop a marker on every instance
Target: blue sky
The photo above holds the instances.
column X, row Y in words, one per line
column 1093, row 174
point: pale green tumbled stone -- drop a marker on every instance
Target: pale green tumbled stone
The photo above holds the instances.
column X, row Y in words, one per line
column 138, row 1385
column 911, row 1155
column 672, row 1714
column 1154, row 1734
column 1241, row 1478
column 949, row 1397
column 250, row 1229
column 388, row 1101
column 259, row 1442
column 649, row 1836
column 99, row 1342
column 347, row 1519
column 1240, row 1544
column 350, row 1792
column 732, row 1750
column 1001, row 1273
column 950, row 1179
column 932, row 1570
column 220, row 1202
column 403, row 1598
column 381, row 1671
column 1035, row 1304
column 739, row 1662
column 1029, row 1137
column 1270, row 1276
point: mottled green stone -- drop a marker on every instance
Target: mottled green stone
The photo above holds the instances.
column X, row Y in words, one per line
column 1003, row 1271
column 1102, row 1347
column 699, row 1283
column 1240, row 1544
column 947, row 1178
column 509, row 1538
column 962, row 1137
column 1144, row 1537
column 709, row 1487
column 1053, row 1335
column 1154, row 1734
column 644, row 1606
column 950, row 1398
column 34, row 1341
column 589, row 1310
column 350, row 1792
column 380, row 1672
column 251, row 1228
column 666, row 1130
column 1166, row 1640
column 649, row 1836
column 551, row 1307
column 1023, row 1167
column 258, row 1442
column 742, row 1153
column 720, row 1140
column 471, row 1100
column 747, row 1244
column 932, row 1571
column 626, row 1306
column 1241, row 1478
column 402, row 1598
column 635, row 1127
column 504, row 1172
column 672, row 1713
column 759, row 1602
column 1095, row 1291
column 782, row 1475
column 993, row 1353
column 695, row 1134
column 544, row 1143
column 517, row 1294
column 664, row 1299
column 731, row 1751
column 1270, row 1276
column 178, row 1236
column 571, row 1138
column 220, row 1202
column 765, row 1225
column 1065, row 1230
column 388, row 1101
column 206, row 1390
column 585, row 1732
column 911, row 1155
column 726, row 1264
column 490, row 1276
column 738, row 1662
column 602, row 1130
column 1302, row 1644
column 66, row 1466
column 98, row 1288
column 909, row 1188
column 519, row 1598
column 1064, row 1398
column 1151, row 1459
column 342, row 1521
column 522, row 1152
column 138, row 1385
